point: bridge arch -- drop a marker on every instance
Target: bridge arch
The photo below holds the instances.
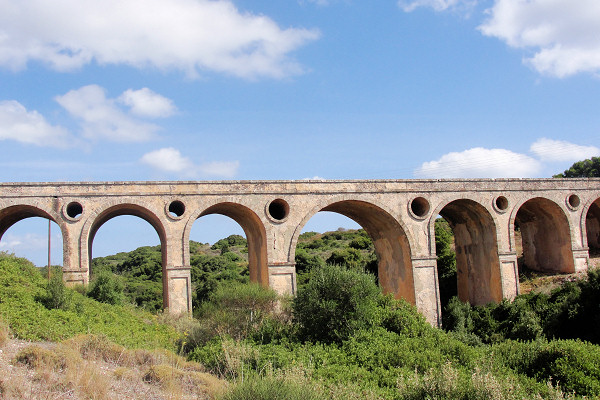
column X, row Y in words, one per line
column 390, row 240
column 113, row 209
column 545, row 235
column 590, row 224
column 476, row 245
column 254, row 229
column 12, row 213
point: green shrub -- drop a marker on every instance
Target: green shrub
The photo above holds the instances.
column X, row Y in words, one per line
column 272, row 388
column 57, row 295
column 349, row 257
column 234, row 309
column 106, row 288
column 573, row 365
column 335, row 303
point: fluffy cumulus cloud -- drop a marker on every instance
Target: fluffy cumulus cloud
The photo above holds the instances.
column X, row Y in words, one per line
column 171, row 160
column 481, row 163
column 30, row 127
column 186, row 35
column 437, row 5
column 560, row 150
column 146, row 103
column 563, row 35
column 102, row 118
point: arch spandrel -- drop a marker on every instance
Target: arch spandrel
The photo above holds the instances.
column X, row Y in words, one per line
column 390, row 240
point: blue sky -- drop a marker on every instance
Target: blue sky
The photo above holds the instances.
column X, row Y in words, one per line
column 294, row 89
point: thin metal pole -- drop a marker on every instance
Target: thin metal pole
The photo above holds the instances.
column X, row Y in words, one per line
column 49, row 245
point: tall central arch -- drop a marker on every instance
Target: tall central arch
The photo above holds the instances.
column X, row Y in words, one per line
column 390, row 241
column 476, row 246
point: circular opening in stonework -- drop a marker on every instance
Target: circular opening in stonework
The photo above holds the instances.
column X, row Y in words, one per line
column 501, row 203
column 419, row 207
column 74, row 210
column 573, row 201
column 278, row 209
column 176, row 209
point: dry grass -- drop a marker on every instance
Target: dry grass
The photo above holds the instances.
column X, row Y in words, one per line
column 92, row 367
column 4, row 333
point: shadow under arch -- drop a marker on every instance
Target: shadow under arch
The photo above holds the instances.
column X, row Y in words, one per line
column 256, row 236
column 476, row 246
column 390, row 241
column 592, row 225
column 12, row 214
column 546, row 236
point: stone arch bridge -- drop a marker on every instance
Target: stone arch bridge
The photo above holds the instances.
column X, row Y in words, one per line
column 559, row 220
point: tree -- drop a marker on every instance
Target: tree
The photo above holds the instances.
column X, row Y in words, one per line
column 582, row 169
column 335, row 304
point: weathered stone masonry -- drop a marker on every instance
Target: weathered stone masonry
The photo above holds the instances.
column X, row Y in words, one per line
column 558, row 219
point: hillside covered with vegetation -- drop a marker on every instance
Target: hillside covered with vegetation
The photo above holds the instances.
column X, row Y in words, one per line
column 339, row 338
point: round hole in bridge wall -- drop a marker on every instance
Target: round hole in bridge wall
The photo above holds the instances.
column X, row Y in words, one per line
column 176, row 209
column 501, row 204
column 73, row 210
column 573, row 201
column 419, row 207
column 278, row 210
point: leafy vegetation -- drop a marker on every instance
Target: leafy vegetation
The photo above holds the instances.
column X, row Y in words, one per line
column 582, row 169
column 339, row 338
column 28, row 306
column 568, row 312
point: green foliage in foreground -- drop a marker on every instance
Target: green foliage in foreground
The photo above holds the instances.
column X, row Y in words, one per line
column 393, row 354
column 571, row 311
column 25, row 304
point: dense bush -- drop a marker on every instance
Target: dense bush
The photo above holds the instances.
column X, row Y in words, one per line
column 335, row 303
column 571, row 311
column 106, row 288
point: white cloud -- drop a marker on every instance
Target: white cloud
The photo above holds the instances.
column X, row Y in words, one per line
column 30, row 127
column 146, row 103
column 563, row 34
column 481, row 163
column 27, row 241
column 222, row 169
column 437, row 5
column 560, row 150
column 187, row 35
column 101, row 118
column 171, row 160
column 168, row 159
